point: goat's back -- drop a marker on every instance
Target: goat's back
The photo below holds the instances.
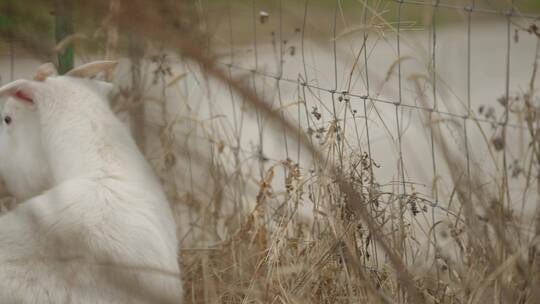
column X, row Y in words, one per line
column 78, row 242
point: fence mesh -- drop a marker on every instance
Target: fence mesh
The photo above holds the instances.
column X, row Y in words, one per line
column 428, row 109
column 430, row 98
column 325, row 62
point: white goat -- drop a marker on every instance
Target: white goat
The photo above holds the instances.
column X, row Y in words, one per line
column 23, row 166
column 104, row 232
column 24, row 170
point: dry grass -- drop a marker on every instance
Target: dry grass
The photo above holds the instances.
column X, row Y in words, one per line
column 244, row 239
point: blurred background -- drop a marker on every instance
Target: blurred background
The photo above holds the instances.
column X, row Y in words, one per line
column 323, row 151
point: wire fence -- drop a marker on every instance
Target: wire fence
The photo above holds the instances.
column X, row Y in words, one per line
column 420, row 103
column 340, row 94
column 379, row 74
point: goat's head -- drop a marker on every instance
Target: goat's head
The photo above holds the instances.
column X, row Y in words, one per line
column 23, row 161
column 23, row 164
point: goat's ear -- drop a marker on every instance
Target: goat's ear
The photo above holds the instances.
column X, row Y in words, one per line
column 22, row 90
column 92, row 69
column 45, row 70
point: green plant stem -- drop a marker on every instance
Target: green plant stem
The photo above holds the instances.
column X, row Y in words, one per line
column 63, row 28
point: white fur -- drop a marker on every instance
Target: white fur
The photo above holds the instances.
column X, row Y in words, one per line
column 24, row 171
column 23, row 166
column 104, row 232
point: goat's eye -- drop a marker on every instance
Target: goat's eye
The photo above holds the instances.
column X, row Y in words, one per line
column 7, row 120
